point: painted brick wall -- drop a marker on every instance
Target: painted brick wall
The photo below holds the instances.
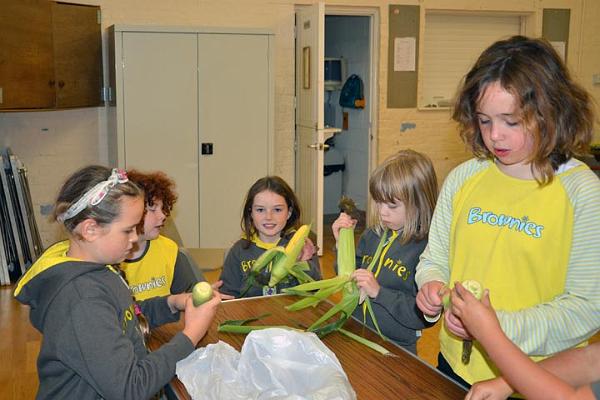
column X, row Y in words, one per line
column 78, row 137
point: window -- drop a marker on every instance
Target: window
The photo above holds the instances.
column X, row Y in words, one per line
column 453, row 41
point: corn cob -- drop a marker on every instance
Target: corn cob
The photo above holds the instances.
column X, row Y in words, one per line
column 476, row 290
column 283, row 261
column 201, row 293
column 467, row 346
column 346, row 262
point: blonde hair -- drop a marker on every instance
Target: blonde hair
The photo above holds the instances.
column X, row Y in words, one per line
column 407, row 176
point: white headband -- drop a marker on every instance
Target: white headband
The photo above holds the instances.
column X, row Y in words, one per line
column 95, row 195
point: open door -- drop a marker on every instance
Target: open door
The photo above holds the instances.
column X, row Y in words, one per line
column 310, row 132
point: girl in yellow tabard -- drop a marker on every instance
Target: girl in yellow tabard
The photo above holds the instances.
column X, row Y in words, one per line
column 156, row 266
column 522, row 217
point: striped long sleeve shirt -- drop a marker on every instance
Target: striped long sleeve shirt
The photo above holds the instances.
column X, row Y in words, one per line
column 537, row 249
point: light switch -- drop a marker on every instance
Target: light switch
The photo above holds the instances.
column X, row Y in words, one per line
column 596, row 79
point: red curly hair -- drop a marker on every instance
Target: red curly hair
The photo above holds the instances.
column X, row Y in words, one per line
column 156, row 185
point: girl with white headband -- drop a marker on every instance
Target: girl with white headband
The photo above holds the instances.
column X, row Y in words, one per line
column 93, row 344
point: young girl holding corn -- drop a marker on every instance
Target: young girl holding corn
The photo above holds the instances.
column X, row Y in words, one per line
column 404, row 190
column 521, row 217
column 270, row 216
column 93, row 343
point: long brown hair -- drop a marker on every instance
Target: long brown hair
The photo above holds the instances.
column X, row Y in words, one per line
column 554, row 109
column 276, row 185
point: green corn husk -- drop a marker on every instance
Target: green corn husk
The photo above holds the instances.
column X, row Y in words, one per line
column 315, row 292
column 283, row 261
column 367, row 304
column 239, row 325
column 245, row 329
column 346, row 254
column 372, row 345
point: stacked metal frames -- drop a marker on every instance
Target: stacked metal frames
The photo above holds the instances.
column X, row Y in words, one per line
column 20, row 242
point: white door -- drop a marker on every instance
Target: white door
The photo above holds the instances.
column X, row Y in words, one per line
column 310, row 134
column 160, row 123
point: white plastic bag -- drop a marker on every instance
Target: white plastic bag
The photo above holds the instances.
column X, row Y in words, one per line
column 273, row 364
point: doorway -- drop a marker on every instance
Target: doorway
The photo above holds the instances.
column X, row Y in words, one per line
column 346, row 171
column 335, row 146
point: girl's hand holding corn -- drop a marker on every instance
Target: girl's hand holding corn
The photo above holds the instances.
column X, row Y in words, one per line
column 478, row 317
column 308, row 250
column 455, row 325
column 366, row 282
column 198, row 319
column 216, row 285
column 343, row 221
column 429, row 299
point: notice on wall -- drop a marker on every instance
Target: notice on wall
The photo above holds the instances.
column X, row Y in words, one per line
column 404, row 54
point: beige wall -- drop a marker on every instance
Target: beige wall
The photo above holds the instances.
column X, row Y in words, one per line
column 78, row 137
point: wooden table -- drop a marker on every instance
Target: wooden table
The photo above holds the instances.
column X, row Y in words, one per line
column 372, row 375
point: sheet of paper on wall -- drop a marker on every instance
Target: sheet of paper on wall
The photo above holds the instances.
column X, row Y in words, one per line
column 404, row 54
column 561, row 49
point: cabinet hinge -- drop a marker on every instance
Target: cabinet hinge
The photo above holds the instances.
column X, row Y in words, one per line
column 106, row 94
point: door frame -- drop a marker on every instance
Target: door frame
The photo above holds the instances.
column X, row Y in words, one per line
column 373, row 104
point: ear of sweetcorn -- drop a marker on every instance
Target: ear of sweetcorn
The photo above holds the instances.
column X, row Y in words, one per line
column 283, row 261
column 315, row 292
column 476, row 290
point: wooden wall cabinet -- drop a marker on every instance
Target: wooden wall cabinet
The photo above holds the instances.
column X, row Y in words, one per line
column 50, row 55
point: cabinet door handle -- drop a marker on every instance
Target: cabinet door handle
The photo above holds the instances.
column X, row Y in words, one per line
column 61, row 84
column 51, row 82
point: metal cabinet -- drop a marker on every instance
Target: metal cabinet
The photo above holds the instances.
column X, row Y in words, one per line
column 197, row 104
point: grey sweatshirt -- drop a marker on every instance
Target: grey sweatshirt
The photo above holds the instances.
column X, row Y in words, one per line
column 92, row 346
column 395, row 306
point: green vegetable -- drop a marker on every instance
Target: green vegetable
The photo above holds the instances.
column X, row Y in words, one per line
column 476, row 290
column 346, row 260
column 201, row 293
column 471, row 285
column 283, row 260
column 474, row 287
